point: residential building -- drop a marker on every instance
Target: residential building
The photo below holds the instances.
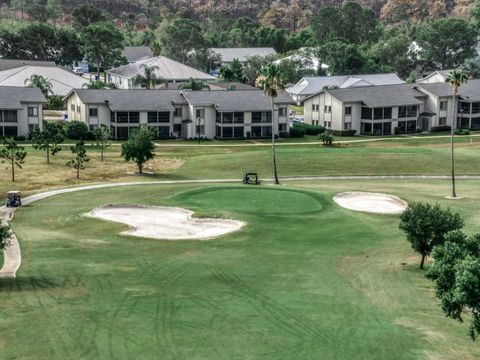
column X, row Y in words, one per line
column 227, row 55
column 20, row 110
column 184, row 114
column 62, row 80
column 136, row 53
column 167, row 70
column 308, row 86
column 7, row 64
column 438, row 76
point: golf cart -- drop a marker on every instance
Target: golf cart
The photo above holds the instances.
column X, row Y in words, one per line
column 251, row 178
column 14, row 199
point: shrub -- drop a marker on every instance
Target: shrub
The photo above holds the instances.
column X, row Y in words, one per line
column 55, row 102
column 284, row 134
column 76, row 130
column 327, row 139
column 311, row 129
column 440, row 128
column 418, row 130
column 341, row 132
column 297, row 132
column 397, row 131
column 462, row 132
column 19, row 138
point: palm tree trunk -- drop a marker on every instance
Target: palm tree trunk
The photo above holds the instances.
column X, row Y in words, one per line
column 275, row 175
column 452, row 143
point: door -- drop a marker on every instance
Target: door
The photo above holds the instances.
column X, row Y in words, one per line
column 425, row 124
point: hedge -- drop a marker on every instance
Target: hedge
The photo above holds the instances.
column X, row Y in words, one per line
column 297, row 132
column 341, row 132
column 440, row 128
column 310, row 129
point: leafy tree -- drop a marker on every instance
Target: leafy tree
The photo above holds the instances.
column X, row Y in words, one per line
column 456, row 78
column 139, row 148
column 253, row 68
column 456, row 272
column 426, row 226
column 393, row 54
column 447, row 42
column 148, row 78
column 78, row 163
column 194, row 85
column 303, row 38
column 102, row 44
column 271, row 81
column 86, row 14
column 13, row 154
column 232, row 72
column 39, row 82
column 103, row 136
column 204, row 59
column 343, row 58
column 180, row 37
column 5, row 234
column 48, row 139
column 76, row 130
column 99, row 84
column 272, row 37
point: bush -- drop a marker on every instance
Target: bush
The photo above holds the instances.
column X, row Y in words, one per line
column 397, row 131
column 297, row 132
column 54, row 102
column 284, row 134
column 341, row 132
column 462, row 132
column 327, row 139
column 19, row 138
column 311, row 129
column 440, row 128
column 418, row 130
column 76, row 130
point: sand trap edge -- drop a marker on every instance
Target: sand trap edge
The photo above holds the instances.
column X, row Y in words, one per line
column 400, row 202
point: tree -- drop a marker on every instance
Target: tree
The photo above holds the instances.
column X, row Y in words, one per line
column 5, row 235
column 39, row 82
column 343, row 58
column 194, row 85
column 180, row 37
column 139, row 148
column 456, row 272
column 147, row 79
column 86, row 14
column 447, row 42
column 456, row 78
column 13, row 154
column 102, row 44
column 102, row 138
column 232, row 72
column 99, row 84
column 76, row 130
column 271, row 81
column 80, row 159
column 426, row 226
column 48, row 139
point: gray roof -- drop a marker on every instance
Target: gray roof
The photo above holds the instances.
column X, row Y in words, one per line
column 242, row 54
column 62, row 80
column 168, row 69
column 11, row 98
column 314, row 84
column 380, row 96
column 7, row 64
column 212, row 85
column 135, row 53
column 132, row 100
column 469, row 91
column 243, row 100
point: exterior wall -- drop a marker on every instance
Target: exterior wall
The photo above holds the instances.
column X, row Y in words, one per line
column 24, row 123
column 434, row 78
column 119, row 81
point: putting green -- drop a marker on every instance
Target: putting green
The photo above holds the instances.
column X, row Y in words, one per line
column 280, row 288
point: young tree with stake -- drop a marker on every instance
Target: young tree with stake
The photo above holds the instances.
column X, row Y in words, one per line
column 139, row 148
column 13, row 154
column 80, row 159
column 102, row 139
column 48, row 139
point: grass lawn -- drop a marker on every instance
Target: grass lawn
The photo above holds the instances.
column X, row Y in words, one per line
column 304, row 279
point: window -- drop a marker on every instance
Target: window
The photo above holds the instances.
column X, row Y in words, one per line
column 72, row 107
column 475, row 108
column 200, row 113
column 163, row 132
column 177, row 128
column 92, row 127
column 282, row 127
column 10, row 131
column 164, row 117
column 464, row 107
column 238, row 117
column 32, row 128
column 282, row 111
column 348, row 110
column 327, row 109
column 122, row 117
column 152, row 117
column 443, row 105
column 313, row 107
column 178, row 112
column 134, row 117
column 238, row 132
column 10, row 116
column 92, row 112
column 78, row 109
column 367, row 113
column 200, row 129
column 382, row 113
column 367, row 128
column 442, row 121
column 256, row 118
column 407, row 111
column 33, row 111
column 317, row 107
column 347, row 126
column 227, row 118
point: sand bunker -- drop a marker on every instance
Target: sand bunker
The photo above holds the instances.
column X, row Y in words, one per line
column 166, row 223
column 371, row 202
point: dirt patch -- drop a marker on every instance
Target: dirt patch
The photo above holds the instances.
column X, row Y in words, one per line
column 165, row 223
column 371, row 202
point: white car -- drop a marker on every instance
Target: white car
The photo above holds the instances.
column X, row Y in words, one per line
column 78, row 70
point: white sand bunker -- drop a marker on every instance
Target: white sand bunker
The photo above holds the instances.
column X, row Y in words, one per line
column 371, row 202
column 166, row 223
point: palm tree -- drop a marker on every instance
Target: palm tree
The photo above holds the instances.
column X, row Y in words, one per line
column 456, row 78
column 148, row 79
column 194, row 85
column 38, row 81
column 98, row 84
column 271, row 81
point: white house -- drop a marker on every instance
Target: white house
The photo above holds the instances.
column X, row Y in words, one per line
column 20, row 110
column 438, row 76
column 227, row 55
column 184, row 114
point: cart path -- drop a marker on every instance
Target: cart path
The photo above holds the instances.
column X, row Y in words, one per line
column 12, row 255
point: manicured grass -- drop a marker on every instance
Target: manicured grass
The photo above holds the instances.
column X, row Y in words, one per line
column 304, row 280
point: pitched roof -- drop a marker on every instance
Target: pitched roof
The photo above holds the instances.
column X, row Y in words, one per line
column 314, row 84
column 11, row 98
column 380, row 96
column 135, row 53
column 443, row 73
column 168, row 69
column 212, row 85
column 469, row 91
column 242, row 54
column 244, row 100
column 62, row 80
column 7, row 64
column 132, row 100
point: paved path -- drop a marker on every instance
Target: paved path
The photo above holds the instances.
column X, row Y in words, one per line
column 12, row 255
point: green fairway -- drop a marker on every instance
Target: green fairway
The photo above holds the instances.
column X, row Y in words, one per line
column 304, row 279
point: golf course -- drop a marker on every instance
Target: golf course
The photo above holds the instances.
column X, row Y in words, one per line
column 303, row 278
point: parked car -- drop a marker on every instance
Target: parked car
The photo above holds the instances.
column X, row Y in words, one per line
column 78, row 70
